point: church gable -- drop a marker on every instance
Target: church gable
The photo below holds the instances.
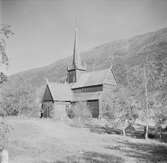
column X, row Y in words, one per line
column 60, row 92
column 110, row 78
column 47, row 95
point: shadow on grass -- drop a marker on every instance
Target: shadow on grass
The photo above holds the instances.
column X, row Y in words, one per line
column 93, row 157
column 143, row 152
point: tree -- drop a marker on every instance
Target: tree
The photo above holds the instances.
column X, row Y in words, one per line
column 146, row 97
column 18, row 100
column 160, row 117
column 139, row 84
column 119, row 109
column 5, row 33
column 155, row 74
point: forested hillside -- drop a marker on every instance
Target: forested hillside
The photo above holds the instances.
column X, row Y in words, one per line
column 130, row 52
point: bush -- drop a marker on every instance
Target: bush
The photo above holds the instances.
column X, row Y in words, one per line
column 79, row 114
column 70, row 113
column 80, row 110
column 17, row 100
column 107, row 113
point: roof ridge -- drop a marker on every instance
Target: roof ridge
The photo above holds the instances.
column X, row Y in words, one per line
column 97, row 70
column 58, row 83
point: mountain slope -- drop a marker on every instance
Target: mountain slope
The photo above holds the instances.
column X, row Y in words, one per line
column 130, row 52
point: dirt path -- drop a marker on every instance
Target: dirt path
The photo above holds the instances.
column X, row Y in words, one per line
column 47, row 141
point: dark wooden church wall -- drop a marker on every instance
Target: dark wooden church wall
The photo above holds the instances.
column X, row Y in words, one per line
column 71, row 76
column 47, row 109
column 106, row 98
column 93, row 106
column 96, row 88
column 47, row 95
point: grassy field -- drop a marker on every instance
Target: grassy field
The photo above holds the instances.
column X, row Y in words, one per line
column 48, row 141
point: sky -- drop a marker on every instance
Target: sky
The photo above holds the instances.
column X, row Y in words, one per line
column 44, row 29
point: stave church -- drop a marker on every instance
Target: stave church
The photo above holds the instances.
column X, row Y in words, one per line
column 91, row 88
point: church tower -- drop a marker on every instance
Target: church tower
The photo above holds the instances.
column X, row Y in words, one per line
column 76, row 69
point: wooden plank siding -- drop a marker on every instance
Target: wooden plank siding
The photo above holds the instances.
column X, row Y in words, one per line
column 95, row 88
column 93, row 106
column 106, row 98
column 71, row 76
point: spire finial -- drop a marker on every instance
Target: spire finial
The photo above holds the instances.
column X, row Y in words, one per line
column 76, row 59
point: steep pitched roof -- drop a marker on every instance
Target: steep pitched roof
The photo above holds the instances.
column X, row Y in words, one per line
column 60, row 92
column 63, row 92
column 76, row 59
column 95, row 78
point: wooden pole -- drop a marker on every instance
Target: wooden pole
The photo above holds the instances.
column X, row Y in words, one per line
column 146, row 98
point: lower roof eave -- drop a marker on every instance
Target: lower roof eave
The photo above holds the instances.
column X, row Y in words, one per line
column 62, row 100
column 77, row 99
column 82, row 100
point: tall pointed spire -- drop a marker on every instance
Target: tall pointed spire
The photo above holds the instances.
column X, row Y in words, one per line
column 76, row 69
column 76, row 57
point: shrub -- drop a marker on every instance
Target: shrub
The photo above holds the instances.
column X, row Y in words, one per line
column 70, row 113
column 79, row 114
column 17, row 100
column 80, row 110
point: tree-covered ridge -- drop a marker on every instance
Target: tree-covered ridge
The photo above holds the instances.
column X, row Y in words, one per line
column 128, row 52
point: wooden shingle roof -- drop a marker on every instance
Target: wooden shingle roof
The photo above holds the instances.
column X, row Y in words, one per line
column 60, row 92
column 63, row 91
column 95, row 78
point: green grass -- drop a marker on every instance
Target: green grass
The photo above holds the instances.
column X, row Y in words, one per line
column 48, row 141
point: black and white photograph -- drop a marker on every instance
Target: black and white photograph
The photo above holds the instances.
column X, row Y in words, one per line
column 83, row 81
